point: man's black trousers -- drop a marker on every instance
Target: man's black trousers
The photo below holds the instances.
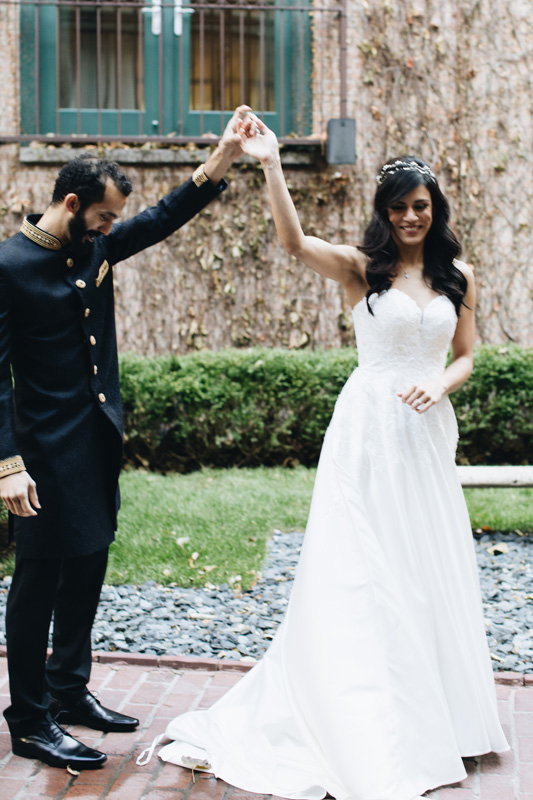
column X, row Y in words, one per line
column 68, row 588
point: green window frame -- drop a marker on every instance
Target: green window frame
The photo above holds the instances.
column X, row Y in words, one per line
column 167, row 62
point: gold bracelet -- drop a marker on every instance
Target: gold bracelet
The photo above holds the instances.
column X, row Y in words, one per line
column 11, row 465
column 199, row 177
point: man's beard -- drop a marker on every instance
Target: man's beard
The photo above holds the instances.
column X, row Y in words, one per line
column 78, row 231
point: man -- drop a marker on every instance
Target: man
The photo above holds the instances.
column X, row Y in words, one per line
column 61, row 434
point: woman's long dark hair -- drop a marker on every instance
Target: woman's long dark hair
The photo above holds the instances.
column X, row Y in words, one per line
column 440, row 245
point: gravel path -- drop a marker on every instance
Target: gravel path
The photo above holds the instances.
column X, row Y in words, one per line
column 215, row 623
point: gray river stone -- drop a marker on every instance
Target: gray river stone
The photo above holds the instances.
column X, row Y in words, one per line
column 214, row 622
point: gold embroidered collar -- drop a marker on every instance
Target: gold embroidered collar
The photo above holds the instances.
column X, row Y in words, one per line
column 39, row 236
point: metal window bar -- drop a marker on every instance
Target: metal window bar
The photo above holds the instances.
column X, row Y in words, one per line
column 99, row 69
column 37, row 70
column 202, row 75
column 119, row 69
column 161, row 125
column 78, row 68
column 262, row 103
column 58, row 74
column 282, row 69
column 222, row 68
column 227, row 80
column 141, row 75
column 300, row 72
column 241, row 57
column 181, row 91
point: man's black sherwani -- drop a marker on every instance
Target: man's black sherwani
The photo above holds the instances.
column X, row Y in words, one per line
column 63, row 416
column 57, row 334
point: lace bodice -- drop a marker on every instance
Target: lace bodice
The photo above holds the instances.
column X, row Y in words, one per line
column 401, row 339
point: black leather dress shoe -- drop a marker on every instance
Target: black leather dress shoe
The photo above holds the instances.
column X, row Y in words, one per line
column 87, row 710
column 57, row 748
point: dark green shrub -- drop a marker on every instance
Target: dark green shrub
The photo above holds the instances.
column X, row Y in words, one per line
column 250, row 407
column 495, row 408
column 230, row 408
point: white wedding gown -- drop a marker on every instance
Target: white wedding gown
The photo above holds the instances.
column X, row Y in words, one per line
column 379, row 678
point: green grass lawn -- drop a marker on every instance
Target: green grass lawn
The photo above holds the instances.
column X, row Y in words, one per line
column 209, row 526
column 212, row 526
column 501, row 509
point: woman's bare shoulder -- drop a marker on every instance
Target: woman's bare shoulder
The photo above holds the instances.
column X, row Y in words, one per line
column 465, row 268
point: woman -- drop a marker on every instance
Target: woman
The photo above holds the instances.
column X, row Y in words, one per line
column 379, row 679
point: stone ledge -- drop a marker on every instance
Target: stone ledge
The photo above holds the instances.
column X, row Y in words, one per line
column 484, row 477
column 150, row 156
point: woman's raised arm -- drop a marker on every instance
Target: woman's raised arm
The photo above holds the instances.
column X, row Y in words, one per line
column 342, row 263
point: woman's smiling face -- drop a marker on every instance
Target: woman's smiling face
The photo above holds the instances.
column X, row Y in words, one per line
column 411, row 217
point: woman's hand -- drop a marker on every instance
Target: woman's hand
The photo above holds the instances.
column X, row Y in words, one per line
column 421, row 396
column 258, row 141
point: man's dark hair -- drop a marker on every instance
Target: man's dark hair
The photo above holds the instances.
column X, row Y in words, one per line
column 86, row 177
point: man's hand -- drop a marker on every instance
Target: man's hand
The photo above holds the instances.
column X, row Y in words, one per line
column 228, row 148
column 231, row 141
column 19, row 494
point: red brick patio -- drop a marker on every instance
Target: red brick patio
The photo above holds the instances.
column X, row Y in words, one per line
column 155, row 694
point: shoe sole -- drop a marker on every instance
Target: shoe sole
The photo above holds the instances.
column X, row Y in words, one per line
column 30, row 751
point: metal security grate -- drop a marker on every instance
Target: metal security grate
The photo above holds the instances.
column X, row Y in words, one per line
column 165, row 70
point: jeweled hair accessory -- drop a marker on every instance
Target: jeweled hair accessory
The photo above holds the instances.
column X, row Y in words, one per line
column 397, row 166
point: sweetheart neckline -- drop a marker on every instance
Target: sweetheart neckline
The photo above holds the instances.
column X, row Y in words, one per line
column 420, row 308
column 399, row 291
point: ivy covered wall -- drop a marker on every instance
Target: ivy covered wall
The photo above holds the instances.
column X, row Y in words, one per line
column 450, row 80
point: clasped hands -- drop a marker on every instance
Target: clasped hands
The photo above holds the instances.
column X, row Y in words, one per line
column 246, row 133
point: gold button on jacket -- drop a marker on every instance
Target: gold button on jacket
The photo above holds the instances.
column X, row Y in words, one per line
column 101, row 397
column 92, row 340
column 70, row 262
column 80, row 284
column 87, row 312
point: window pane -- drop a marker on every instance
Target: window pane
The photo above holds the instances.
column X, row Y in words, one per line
column 121, row 73
column 246, row 72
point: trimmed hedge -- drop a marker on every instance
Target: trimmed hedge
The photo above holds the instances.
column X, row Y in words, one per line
column 251, row 407
column 495, row 408
column 230, row 408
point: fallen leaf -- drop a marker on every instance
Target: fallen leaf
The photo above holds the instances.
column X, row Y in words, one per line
column 498, row 549
column 182, row 540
